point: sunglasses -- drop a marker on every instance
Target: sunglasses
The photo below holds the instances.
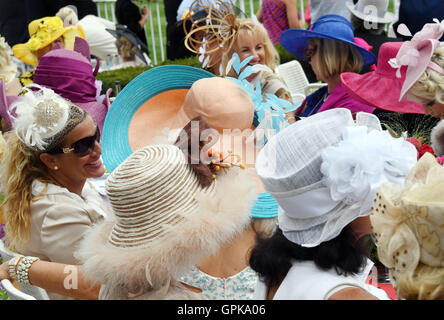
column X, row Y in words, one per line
column 309, row 53
column 81, row 147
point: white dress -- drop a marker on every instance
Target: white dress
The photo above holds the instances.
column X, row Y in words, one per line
column 305, row 281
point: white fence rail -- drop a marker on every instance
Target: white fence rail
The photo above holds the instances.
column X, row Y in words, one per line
column 155, row 27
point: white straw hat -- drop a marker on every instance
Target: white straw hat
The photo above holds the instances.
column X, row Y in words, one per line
column 324, row 170
column 165, row 221
column 371, row 10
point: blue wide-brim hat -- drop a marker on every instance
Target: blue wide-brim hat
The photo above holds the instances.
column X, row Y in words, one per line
column 150, row 84
column 330, row 26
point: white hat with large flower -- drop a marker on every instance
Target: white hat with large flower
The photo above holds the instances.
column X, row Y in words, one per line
column 324, row 171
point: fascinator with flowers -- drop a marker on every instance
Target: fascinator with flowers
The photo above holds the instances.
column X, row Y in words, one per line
column 324, row 171
column 417, row 52
column 408, row 221
column 42, row 32
column 42, row 119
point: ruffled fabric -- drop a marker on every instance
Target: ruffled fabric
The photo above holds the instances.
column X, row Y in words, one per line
column 352, row 178
column 408, row 220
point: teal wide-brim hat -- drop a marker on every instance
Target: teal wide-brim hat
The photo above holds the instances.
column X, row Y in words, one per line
column 330, row 26
column 145, row 105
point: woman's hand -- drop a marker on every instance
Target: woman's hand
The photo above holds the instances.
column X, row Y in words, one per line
column 4, row 271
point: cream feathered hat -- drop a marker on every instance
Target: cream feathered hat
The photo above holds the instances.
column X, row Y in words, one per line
column 408, row 221
column 165, row 221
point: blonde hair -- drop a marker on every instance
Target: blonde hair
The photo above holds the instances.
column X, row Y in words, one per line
column 264, row 227
column 430, row 86
column 20, row 167
column 425, row 283
column 335, row 57
column 126, row 49
column 248, row 28
column 222, row 32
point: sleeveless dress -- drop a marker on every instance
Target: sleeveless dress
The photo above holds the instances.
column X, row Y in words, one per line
column 305, row 281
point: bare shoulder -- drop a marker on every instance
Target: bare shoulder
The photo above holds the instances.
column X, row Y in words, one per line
column 352, row 294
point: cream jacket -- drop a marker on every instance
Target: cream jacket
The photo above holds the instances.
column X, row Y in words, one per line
column 59, row 219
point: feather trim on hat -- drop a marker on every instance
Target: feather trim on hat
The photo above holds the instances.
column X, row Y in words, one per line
column 219, row 219
column 437, row 137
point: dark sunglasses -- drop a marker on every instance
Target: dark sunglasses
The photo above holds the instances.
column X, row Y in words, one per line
column 81, row 147
column 310, row 53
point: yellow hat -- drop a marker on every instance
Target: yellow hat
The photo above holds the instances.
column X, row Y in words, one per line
column 42, row 32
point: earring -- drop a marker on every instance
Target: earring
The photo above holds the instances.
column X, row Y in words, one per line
column 56, row 168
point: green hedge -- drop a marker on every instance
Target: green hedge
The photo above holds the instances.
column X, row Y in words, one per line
column 125, row 75
column 108, row 78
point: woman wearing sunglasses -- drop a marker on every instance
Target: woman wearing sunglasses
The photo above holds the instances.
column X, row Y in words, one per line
column 49, row 202
column 328, row 45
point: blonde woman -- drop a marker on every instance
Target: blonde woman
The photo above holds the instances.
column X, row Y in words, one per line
column 224, row 35
column 329, row 48
column 424, row 80
column 49, row 203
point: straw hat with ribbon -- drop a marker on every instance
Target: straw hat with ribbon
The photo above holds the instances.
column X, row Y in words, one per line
column 43, row 32
column 165, row 222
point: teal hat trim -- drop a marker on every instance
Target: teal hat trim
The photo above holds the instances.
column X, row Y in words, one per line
column 115, row 142
column 264, row 207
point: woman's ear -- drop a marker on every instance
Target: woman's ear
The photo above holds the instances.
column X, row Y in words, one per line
column 49, row 160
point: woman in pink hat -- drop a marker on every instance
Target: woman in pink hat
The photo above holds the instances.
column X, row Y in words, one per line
column 424, row 80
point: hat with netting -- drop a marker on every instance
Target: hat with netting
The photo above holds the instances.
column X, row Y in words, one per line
column 324, row 171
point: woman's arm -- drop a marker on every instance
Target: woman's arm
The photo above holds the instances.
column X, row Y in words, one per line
column 59, row 278
column 352, row 293
column 293, row 15
column 259, row 14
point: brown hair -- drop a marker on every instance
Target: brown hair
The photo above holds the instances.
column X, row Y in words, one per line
column 335, row 57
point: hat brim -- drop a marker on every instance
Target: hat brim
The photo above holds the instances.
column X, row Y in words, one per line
column 295, row 41
column 154, row 113
column 131, row 38
column 378, row 91
column 22, row 52
column 388, row 16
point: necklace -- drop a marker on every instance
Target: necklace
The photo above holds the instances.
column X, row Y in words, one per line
column 322, row 100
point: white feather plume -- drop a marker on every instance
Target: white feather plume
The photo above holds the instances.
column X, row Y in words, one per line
column 39, row 115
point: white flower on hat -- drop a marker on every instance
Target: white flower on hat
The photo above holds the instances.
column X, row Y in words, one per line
column 39, row 116
column 362, row 160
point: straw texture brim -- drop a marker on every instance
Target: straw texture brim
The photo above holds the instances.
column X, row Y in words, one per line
column 115, row 139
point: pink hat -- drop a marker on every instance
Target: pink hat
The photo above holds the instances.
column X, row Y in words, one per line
column 416, row 53
column 5, row 102
column 70, row 74
column 381, row 87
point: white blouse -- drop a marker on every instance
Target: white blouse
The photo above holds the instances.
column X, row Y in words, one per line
column 305, row 281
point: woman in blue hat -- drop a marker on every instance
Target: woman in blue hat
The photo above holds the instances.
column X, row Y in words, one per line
column 328, row 45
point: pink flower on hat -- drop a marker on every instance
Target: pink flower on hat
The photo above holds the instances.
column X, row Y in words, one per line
column 440, row 160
